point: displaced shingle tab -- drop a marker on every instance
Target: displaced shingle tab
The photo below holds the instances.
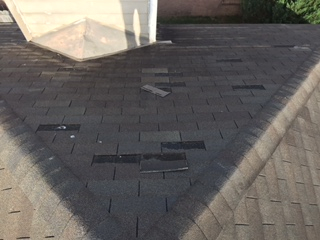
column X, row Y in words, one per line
column 183, row 145
column 164, row 162
column 59, row 127
column 155, row 90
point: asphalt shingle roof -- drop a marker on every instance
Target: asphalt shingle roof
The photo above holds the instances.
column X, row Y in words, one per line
column 221, row 78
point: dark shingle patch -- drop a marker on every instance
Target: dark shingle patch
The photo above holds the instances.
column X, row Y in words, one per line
column 165, row 89
column 151, row 162
column 283, row 46
column 168, row 74
column 230, row 60
column 170, row 85
column 164, row 156
column 183, row 145
column 129, row 158
column 248, row 87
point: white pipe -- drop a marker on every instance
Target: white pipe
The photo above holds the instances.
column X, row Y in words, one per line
column 152, row 20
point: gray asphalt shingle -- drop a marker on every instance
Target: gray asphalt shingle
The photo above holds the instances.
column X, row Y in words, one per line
column 248, row 200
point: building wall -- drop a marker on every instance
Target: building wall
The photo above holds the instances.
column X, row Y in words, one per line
column 85, row 29
column 169, row 8
column 40, row 17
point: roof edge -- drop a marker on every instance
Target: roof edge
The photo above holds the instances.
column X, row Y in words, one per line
column 61, row 202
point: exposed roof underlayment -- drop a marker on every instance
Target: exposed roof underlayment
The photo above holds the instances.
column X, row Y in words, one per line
column 84, row 30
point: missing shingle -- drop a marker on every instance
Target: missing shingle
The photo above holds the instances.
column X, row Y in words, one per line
column 59, row 127
column 248, row 87
column 129, row 158
column 104, row 159
column 190, row 145
column 170, row 85
column 72, row 68
column 164, row 156
column 163, row 162
column 168, row 74
column 283, row 46
column 160, row 162
column 229, row 60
